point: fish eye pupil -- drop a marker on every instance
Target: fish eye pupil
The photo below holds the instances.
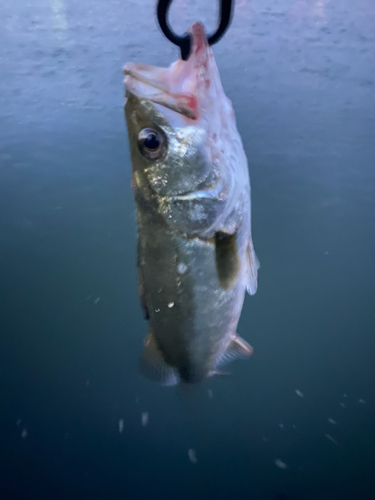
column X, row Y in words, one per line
column 151, row 141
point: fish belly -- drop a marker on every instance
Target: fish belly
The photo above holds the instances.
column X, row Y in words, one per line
column 191, row 316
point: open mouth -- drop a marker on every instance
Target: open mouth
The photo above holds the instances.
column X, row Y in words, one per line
column 185, row 87
column 139, row 82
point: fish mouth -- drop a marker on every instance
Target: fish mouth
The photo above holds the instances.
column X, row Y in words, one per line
column 183, row 103
column 184, row 86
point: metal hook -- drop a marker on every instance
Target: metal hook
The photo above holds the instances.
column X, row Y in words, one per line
column 184, row 41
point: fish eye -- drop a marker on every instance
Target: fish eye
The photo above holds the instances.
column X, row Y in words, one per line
column 151, row 143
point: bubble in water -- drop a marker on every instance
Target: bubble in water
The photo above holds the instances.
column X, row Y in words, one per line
column 192, row 456
column 279, row 463
column 328, row 436
column 120, row 425
column 144, row 418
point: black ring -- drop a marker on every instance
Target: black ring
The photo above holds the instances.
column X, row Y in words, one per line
column 184, row 41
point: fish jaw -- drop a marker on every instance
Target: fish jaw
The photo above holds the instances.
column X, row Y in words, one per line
column 187, row 92
column 151, row 82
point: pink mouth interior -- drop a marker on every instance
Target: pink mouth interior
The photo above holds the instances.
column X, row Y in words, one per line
column 183, row 85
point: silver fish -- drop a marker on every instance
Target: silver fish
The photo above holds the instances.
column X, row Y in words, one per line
column 192, row 191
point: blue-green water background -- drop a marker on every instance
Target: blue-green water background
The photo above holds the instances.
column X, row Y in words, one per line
column 300, row 74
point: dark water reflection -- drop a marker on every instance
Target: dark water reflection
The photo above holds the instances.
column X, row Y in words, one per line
column 301, row 77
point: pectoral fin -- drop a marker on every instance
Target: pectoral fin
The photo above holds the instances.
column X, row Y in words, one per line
column 253, row 266
column 153, row 365
column 227, row 259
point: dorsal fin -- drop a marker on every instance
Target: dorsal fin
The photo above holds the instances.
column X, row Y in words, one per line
column 153, row 365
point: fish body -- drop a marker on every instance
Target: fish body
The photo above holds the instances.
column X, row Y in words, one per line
column 192, row 191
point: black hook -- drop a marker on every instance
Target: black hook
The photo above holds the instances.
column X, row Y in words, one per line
column 184, row 41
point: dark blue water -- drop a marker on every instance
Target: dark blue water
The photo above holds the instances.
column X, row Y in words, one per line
column 301, row 78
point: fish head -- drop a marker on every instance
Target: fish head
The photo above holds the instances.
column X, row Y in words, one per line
column 178, row 119
column 170, row 161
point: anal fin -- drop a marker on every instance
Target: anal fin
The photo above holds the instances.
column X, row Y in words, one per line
column 237, row 348
column 153, row 365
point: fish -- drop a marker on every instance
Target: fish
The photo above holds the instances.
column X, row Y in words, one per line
column 191, row 186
